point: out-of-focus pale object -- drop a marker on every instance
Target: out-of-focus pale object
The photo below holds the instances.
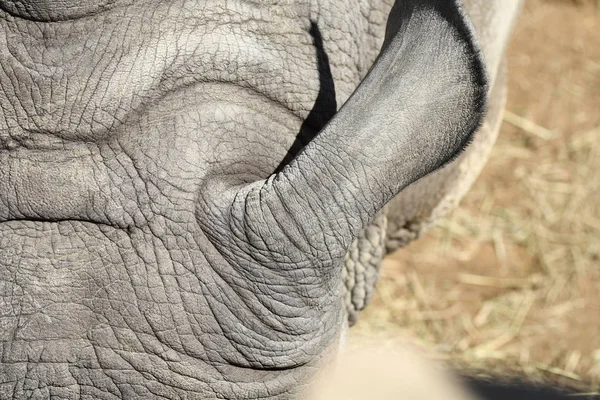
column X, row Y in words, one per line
column 387, row 372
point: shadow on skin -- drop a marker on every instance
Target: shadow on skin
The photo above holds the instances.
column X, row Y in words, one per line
column 325, row 105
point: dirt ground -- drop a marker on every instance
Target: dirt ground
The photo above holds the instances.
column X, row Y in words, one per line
column 510, row 281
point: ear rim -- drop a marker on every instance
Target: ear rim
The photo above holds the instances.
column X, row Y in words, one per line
column 458, row 18
column 337, row 184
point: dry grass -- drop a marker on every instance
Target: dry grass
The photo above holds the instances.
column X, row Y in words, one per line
column 510, row 282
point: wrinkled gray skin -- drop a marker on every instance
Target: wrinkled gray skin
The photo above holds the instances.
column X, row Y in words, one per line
column 152, row 244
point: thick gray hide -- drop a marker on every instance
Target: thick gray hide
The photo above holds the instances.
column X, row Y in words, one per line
column 147, row 248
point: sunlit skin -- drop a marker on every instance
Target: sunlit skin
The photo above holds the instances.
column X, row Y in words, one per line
column 186, row 208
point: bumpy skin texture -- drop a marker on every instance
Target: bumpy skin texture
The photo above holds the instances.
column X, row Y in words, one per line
column 147, row 248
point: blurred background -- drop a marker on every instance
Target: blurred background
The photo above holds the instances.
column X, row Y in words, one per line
column 509, row 283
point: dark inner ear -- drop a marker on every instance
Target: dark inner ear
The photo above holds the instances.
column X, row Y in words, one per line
column 447, row 10
column 325, row 105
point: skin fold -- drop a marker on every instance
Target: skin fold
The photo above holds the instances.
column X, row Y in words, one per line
column 181, row 194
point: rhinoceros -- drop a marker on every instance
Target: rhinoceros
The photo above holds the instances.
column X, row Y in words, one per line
column 195, row 195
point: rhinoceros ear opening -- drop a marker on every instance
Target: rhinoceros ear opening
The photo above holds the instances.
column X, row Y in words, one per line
column 416, row 109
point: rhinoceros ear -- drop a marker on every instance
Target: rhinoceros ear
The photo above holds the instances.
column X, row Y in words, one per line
column 416, row 109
